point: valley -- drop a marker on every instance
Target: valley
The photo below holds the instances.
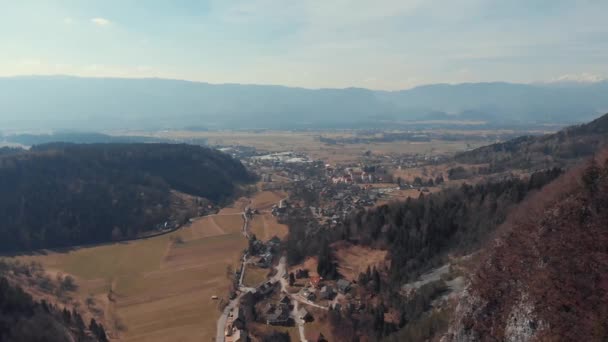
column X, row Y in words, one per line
column 310, row 230
column 161, row 287
column 312, row 171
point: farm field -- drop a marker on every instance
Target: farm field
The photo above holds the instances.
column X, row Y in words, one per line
column 264, row 200
column 268, row 329
column 318, row 326
column 308, row 142
column 254, row 276
column 157, row 289
column 353, row 260
column 265, row 227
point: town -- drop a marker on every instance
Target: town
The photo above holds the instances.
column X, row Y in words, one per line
column 296, row 296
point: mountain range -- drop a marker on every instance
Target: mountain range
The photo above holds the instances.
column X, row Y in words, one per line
column 65, row 102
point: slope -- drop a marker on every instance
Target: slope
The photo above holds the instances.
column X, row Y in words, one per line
column 559, row 149
column 60, row 195
column 545, row 277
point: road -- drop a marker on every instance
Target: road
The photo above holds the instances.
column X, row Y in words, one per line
column 279, row 276
column 281, row 270
column 221, row 322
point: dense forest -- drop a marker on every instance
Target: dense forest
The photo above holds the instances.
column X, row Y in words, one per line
column 418, row 232
column 559, row 149
column 549, row 265
column 59, row 195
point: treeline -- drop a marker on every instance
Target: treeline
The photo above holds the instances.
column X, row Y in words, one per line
column 551, row 150
column 60, row 195
column 419, row 232
column 24, row 319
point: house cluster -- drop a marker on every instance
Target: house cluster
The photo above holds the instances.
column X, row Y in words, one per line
column 340, row 201
column 350, row 175
column 235, row 326
column 415, row 160
column 264, row 252
column 278, row 313
column 238, row 151
column 281, row 208
column 284, row 165
column 279, row 158
column 318, row 289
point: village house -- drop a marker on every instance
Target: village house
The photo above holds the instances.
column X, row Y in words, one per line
column 237, row 335
column 343, row 286
column 301, row 273
column 304, row 315
column 308, row 293
column 265, row 289
column 326, row 293
column 277, row 314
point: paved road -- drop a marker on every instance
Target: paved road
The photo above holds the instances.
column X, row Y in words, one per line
column 281, row 271
column 298, row 321
column 221, row 322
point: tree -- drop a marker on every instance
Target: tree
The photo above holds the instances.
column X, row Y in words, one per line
column 93, row 326
column 68, row 284
column 252, row 250
column 327, row 267
column 292, row 279
column 591, row 176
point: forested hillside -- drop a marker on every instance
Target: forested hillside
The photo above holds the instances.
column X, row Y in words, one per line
column 60, row 195
column 26, row 319
column 559, row 149
column 419, row 234
column 546, row 277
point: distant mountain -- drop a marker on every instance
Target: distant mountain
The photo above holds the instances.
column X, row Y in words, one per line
column 558, row 149
column 59, row 195
column 507, row 101
column 62, row 102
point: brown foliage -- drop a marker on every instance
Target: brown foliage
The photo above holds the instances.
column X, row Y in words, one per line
column 552, row 253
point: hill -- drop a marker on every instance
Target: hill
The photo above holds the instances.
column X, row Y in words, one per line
column 59, row 195
column 77, row 138
column 419, row 235
column 61, row 102
column 545, row 276
column 559, row 149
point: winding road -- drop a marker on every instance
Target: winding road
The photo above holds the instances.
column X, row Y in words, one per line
column 232, row 304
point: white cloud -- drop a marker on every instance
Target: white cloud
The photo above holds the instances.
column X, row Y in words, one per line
column 584, row 77
column 30, row 62
column 101, row 21
column 68, row 21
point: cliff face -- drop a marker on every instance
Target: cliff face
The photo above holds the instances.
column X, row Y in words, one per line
column 545, row 278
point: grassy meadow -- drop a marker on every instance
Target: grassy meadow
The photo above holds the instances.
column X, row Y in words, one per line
column 160, row 288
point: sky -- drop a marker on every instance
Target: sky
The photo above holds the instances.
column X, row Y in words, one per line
column 379, row 44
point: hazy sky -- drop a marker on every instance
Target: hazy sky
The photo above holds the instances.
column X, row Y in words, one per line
column 380, row 44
